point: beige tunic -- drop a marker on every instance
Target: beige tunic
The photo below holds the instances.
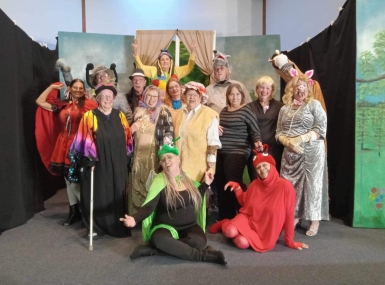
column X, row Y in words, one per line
column 145, row 160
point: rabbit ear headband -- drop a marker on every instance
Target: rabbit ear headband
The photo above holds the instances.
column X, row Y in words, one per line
column 308, row 73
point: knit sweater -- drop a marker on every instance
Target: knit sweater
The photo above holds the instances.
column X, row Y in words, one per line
column 239, row 127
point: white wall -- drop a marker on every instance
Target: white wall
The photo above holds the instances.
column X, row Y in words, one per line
column 42, row 19
column 296, row 20
column 227, row 17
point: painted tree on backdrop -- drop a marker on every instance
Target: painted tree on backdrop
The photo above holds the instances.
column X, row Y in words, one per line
column 370, row 115
column 372, row 68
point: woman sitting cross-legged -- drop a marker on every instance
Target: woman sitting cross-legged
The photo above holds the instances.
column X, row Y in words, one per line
column 174, row 213
column 267, row 208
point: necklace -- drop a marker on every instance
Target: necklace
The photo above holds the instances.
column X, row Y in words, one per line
column 292, row 112
column 178, row 180
column 68, row 116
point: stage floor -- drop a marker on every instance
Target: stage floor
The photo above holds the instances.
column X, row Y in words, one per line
column 44, row 252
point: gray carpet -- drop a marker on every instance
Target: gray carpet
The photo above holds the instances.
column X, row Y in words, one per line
column 44, row 252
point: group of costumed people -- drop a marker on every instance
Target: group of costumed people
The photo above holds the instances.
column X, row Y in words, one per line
column 154, row 154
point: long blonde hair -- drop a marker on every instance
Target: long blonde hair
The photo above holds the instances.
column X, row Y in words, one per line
column 287, row 99
column 173, row 195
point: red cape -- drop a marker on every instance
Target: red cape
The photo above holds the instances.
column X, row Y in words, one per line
column 47, row 128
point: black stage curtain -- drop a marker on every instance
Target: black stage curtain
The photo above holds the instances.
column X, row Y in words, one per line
column 332, row 55
column 26, row 69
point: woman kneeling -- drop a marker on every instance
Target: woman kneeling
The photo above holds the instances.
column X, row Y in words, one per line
column 267, row 208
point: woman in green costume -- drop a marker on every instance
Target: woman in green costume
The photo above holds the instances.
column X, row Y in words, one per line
column 174, row 214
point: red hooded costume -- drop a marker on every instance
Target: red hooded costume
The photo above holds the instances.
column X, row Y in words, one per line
column 267, row 208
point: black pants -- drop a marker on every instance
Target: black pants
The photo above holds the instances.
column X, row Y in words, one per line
column 275, row 152
column 189, row 245
column 229, row 167
column 250, row 167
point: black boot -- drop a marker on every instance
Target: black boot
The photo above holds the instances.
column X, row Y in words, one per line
column 73, row 216
column 143, row 250
column 209, row 254
column 77, row 212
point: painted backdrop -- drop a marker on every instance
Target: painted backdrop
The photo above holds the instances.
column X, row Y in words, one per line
column 369, row 196
column 249, row 58
column 78, row 49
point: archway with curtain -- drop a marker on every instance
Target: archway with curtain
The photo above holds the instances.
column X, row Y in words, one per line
column 150, row 42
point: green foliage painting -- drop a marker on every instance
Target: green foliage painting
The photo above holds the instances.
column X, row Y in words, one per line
column 371, row 65
column 196, row 74
column 369, row 192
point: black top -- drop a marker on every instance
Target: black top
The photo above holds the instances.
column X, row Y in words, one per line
column 238, row 127
column 179, row 218
column 267, row 123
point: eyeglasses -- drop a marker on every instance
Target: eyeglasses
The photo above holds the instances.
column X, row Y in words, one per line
column 101, row 76
column 152, row 97
column 192, row 95
column 108, row 96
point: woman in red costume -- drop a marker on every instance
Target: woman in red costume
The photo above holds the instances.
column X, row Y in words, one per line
column 62, row 128
column 267, row 208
